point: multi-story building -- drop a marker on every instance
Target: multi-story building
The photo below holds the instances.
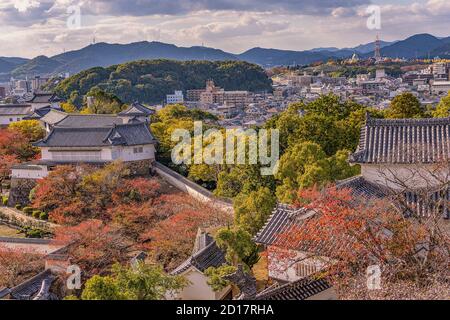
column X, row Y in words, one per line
column 440, row 87
column 216, row 95
column 440, row 71
column 175, row 98
column 37, row 83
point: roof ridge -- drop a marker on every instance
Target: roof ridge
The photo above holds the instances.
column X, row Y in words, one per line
column 405, row 121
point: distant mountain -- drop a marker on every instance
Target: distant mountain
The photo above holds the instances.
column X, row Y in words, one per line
column 8, row 64
column 330, row 49
column 417, row 46
column 37, row 66
column 275, row 57
column 369, row 47
column 442, row 51
column 105, row 54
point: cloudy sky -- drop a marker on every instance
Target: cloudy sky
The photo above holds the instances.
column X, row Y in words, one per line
column 33, row 27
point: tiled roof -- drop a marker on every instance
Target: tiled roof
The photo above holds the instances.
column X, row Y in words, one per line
column 298, row 290
column 44, row 97
column 28, row 289
column 362, row 188
column 210, row 256
column 286, row 223
column 137, row 109
column 89, row 121
column 283, row 218
column 403, row 141
column 40, row 113
column 127, row 134
column 10, row 110
column 365, row 190
column 54, row 116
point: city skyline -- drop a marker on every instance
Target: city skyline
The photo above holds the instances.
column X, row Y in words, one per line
column 48, row 27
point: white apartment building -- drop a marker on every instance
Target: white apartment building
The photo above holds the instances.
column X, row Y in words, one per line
column 175, row 98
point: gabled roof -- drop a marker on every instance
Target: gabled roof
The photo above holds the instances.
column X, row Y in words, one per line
column 30, row 288
column 44, row 97
column 403, row 141
column 38, row 114
column 89, row 121
column 283, row 218
column 54, row 116
column 126, row 134
column 285, row 222
column 15, row 109
column 137, row 109
column 209, row 256
column 298, row 290
column 361, row 188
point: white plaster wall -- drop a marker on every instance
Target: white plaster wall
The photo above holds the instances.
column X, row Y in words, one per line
column 414, row 175
column 5, row 120
column 30, row 174
column 127, row 153
column 198, row 289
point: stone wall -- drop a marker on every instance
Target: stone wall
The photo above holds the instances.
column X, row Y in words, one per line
column 20, row 191
column 193, row 189
column 139, row 168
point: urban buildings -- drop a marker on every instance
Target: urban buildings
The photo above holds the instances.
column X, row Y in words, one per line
column 175, row 98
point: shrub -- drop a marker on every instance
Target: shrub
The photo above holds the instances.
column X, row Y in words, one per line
column 18, row 206
column 35, row 233
column 36, row 214
column 43, row 216
column 28, row 210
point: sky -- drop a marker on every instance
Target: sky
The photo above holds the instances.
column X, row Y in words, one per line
column 29, row 28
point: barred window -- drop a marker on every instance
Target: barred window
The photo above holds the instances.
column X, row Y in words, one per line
column 304, row 269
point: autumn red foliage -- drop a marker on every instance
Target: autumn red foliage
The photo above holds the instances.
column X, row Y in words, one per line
column 17, row 266
column 350, row 235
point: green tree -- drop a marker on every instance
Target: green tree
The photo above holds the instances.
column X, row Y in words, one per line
column 239, row 246
column 102, row 103
column 102, row 288
column 31, row 129
column 141, row 282
column 216, row 277
column 405, row 105
column 300, row 167
column 253, row 209
column 443, row 108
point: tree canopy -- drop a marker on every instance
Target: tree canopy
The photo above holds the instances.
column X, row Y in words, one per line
column 149, row 81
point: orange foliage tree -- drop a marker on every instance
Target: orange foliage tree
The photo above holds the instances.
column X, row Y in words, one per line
column 349, row 235
column 17, row 266
column 171, row 240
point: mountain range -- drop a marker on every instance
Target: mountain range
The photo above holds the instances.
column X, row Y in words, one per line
column 104, row 55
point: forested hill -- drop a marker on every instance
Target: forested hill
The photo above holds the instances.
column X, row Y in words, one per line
column 149, row 81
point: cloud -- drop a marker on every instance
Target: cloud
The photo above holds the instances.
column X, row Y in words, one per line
column 175, row 7
column 246, row 25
